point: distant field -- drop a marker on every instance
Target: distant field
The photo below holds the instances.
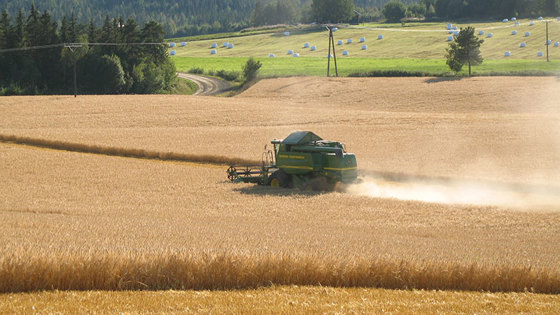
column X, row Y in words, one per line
column 305, row 66
column 418, row 47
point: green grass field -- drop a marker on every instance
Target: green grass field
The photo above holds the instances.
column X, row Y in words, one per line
column 418, row 47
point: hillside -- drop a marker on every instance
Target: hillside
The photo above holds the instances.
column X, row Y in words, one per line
column 416, row 47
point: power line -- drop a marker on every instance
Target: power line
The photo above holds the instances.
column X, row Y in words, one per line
column 75, row 45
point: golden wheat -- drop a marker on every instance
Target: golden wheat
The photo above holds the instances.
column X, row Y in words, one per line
column 77, row 221
column 52, row 270
column 279, row 300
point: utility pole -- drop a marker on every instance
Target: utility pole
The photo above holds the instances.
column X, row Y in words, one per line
column 72, row 48
column 547, row 60
column 331, row 43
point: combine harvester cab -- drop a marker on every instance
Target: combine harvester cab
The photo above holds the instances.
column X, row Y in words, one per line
column 302, row 160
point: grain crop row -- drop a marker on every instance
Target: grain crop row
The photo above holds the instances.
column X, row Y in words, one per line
column 33, row 271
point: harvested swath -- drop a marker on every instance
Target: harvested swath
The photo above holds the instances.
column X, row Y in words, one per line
column 33, row 271
column 125, row 152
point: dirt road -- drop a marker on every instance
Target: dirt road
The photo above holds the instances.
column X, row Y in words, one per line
column 206, row 85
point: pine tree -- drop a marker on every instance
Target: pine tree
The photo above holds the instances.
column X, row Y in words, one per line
column 465, row 48
column 63, row 31
column 5, row 29
column 72, row 32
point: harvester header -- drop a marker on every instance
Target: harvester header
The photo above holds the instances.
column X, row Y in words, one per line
column 302, row 160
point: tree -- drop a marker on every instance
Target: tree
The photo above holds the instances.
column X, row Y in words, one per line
column 465, row 48
column 332, row 11
column 257, row 16
column 394, row 11
column 251, row 68
column 416, row 10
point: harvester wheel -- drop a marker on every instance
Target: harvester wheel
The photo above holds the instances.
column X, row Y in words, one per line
column 232, row 173
column 279, row 179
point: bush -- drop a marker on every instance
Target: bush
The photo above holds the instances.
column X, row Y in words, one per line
column 196, row 70
column 389, row 73
column 12, row 89
column 228, row 75
column 251, row 68
column 394, row 11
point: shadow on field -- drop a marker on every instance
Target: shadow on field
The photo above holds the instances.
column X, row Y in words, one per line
column 443, row 79
column 270, row 191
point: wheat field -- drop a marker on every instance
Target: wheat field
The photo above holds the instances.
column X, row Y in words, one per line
column 90, row 220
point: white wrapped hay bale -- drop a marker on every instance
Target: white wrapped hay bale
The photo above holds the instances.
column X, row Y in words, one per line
column 340, row 42
column 513, row 32
column 271, row 55
column 489, row 35
column 449, row 26
column 540, row 18
column 507, row 54
column 230, row 46
column 329, row 56
column 531, row 23
column 480, row 32
column 345, row 53
column 379, row 36
column 549, row 42
column 364, row 47
column 183, row 44
column 449, row 38
column 286, row 33
column 349, row 41
column 362, row 39
column 213, row 52
column 171, row 44
column 527, row 34
column 214, row 45
column 505, row 20
column 306, row 45
column 334, row 29
column 225, row 44
column 516, row 24
column 296, row 55
column 540, row 54
column 173, row 53
column 514, row 19
column 556, row 44
column 523, row 45
column 290, row 52
column 456, row 33
column 313, row 48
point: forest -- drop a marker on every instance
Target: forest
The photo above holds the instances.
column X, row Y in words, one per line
column 193, row 17
column 134, row 62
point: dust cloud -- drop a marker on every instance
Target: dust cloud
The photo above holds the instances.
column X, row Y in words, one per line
column 467, row 192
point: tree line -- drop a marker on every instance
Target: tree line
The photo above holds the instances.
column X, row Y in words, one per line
column 334, row 11
column 128, row 65
column 179, row 18
column 193, row 17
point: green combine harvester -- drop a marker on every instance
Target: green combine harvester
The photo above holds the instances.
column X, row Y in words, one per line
column 302, row 160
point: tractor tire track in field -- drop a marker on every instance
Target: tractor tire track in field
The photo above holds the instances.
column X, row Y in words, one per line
column 124, row 152
column 207, row 86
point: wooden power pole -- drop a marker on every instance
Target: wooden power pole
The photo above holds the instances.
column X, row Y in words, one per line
column 331, row 43
column 72, row 48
